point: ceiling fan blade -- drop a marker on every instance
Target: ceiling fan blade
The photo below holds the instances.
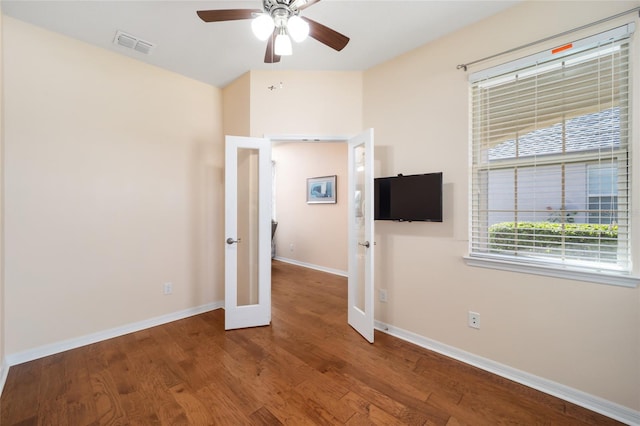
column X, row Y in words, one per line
column 326, row 35
column 303, row 4
column 227, row 14
column 269, row 56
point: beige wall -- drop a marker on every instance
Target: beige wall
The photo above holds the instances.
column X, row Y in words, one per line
column 583, row 335
column 2, row 299
column 314, row 234
column 309, row 103
column 113, row 180
column 236, row 100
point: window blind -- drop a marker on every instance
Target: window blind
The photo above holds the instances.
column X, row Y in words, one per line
column 550, row 157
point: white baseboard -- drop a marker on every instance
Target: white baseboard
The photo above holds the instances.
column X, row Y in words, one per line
column 65, row 345
column 591, row 402
column 4, row 372
column 311, row 266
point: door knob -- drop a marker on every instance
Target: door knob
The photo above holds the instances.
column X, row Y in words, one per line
column 232, row 241
column 365, row 244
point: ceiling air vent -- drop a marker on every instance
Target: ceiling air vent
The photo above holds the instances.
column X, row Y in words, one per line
column 143, row 47
column 132, row 42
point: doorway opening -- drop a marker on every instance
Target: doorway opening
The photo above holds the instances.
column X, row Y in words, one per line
column 248, row 177
column 313, row 235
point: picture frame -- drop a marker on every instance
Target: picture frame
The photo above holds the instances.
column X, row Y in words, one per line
column 322, row 190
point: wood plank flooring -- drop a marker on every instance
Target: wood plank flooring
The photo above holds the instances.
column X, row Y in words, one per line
column 309, row 367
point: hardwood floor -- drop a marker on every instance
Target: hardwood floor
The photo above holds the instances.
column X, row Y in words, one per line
column 308, row 367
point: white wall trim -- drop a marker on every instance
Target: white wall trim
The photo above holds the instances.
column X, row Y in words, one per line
column 311, row 266
column 4, row 372
column 591, row 402
column 65, row 345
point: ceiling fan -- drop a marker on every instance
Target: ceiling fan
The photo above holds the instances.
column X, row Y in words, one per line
column 279, row 21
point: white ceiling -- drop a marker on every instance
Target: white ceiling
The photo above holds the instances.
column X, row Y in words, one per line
column 217, row 53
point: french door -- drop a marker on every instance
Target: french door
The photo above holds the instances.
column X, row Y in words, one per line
column 248, row 233
column 361, row 233
column 247, row 297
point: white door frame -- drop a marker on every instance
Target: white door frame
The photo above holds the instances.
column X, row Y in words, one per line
column 362, row 322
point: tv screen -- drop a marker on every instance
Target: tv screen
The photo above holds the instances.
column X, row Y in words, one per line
column 409, row 198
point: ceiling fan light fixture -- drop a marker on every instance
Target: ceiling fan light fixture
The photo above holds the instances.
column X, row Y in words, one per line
column 298, row 28
column 283, row 43
column 279, row 21
column 262, row 26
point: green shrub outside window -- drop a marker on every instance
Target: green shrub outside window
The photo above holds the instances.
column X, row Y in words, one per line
column 574, row 240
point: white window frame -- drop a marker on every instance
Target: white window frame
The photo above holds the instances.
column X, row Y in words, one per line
column 554, row 268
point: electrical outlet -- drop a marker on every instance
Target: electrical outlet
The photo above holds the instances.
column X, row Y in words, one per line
column 382, row 295
column 291, row 247
column 474, row 319
column 167, row 288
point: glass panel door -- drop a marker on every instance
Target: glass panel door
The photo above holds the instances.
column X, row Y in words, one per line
column 247, row 232
column 361, row 245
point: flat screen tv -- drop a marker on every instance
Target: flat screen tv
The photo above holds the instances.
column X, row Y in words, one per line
column 409, row 198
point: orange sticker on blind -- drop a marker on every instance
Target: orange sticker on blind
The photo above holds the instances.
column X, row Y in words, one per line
column 562, row 48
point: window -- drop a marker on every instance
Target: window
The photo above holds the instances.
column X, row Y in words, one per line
column 602, row 193
column 550, row 159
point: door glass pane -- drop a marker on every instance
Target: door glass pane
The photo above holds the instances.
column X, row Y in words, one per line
column 247, row 221
column 360, row 201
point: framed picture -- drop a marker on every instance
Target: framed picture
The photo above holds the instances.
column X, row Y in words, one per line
column 321, row 190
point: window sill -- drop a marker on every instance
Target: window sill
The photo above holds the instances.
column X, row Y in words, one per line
column 571, row 274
